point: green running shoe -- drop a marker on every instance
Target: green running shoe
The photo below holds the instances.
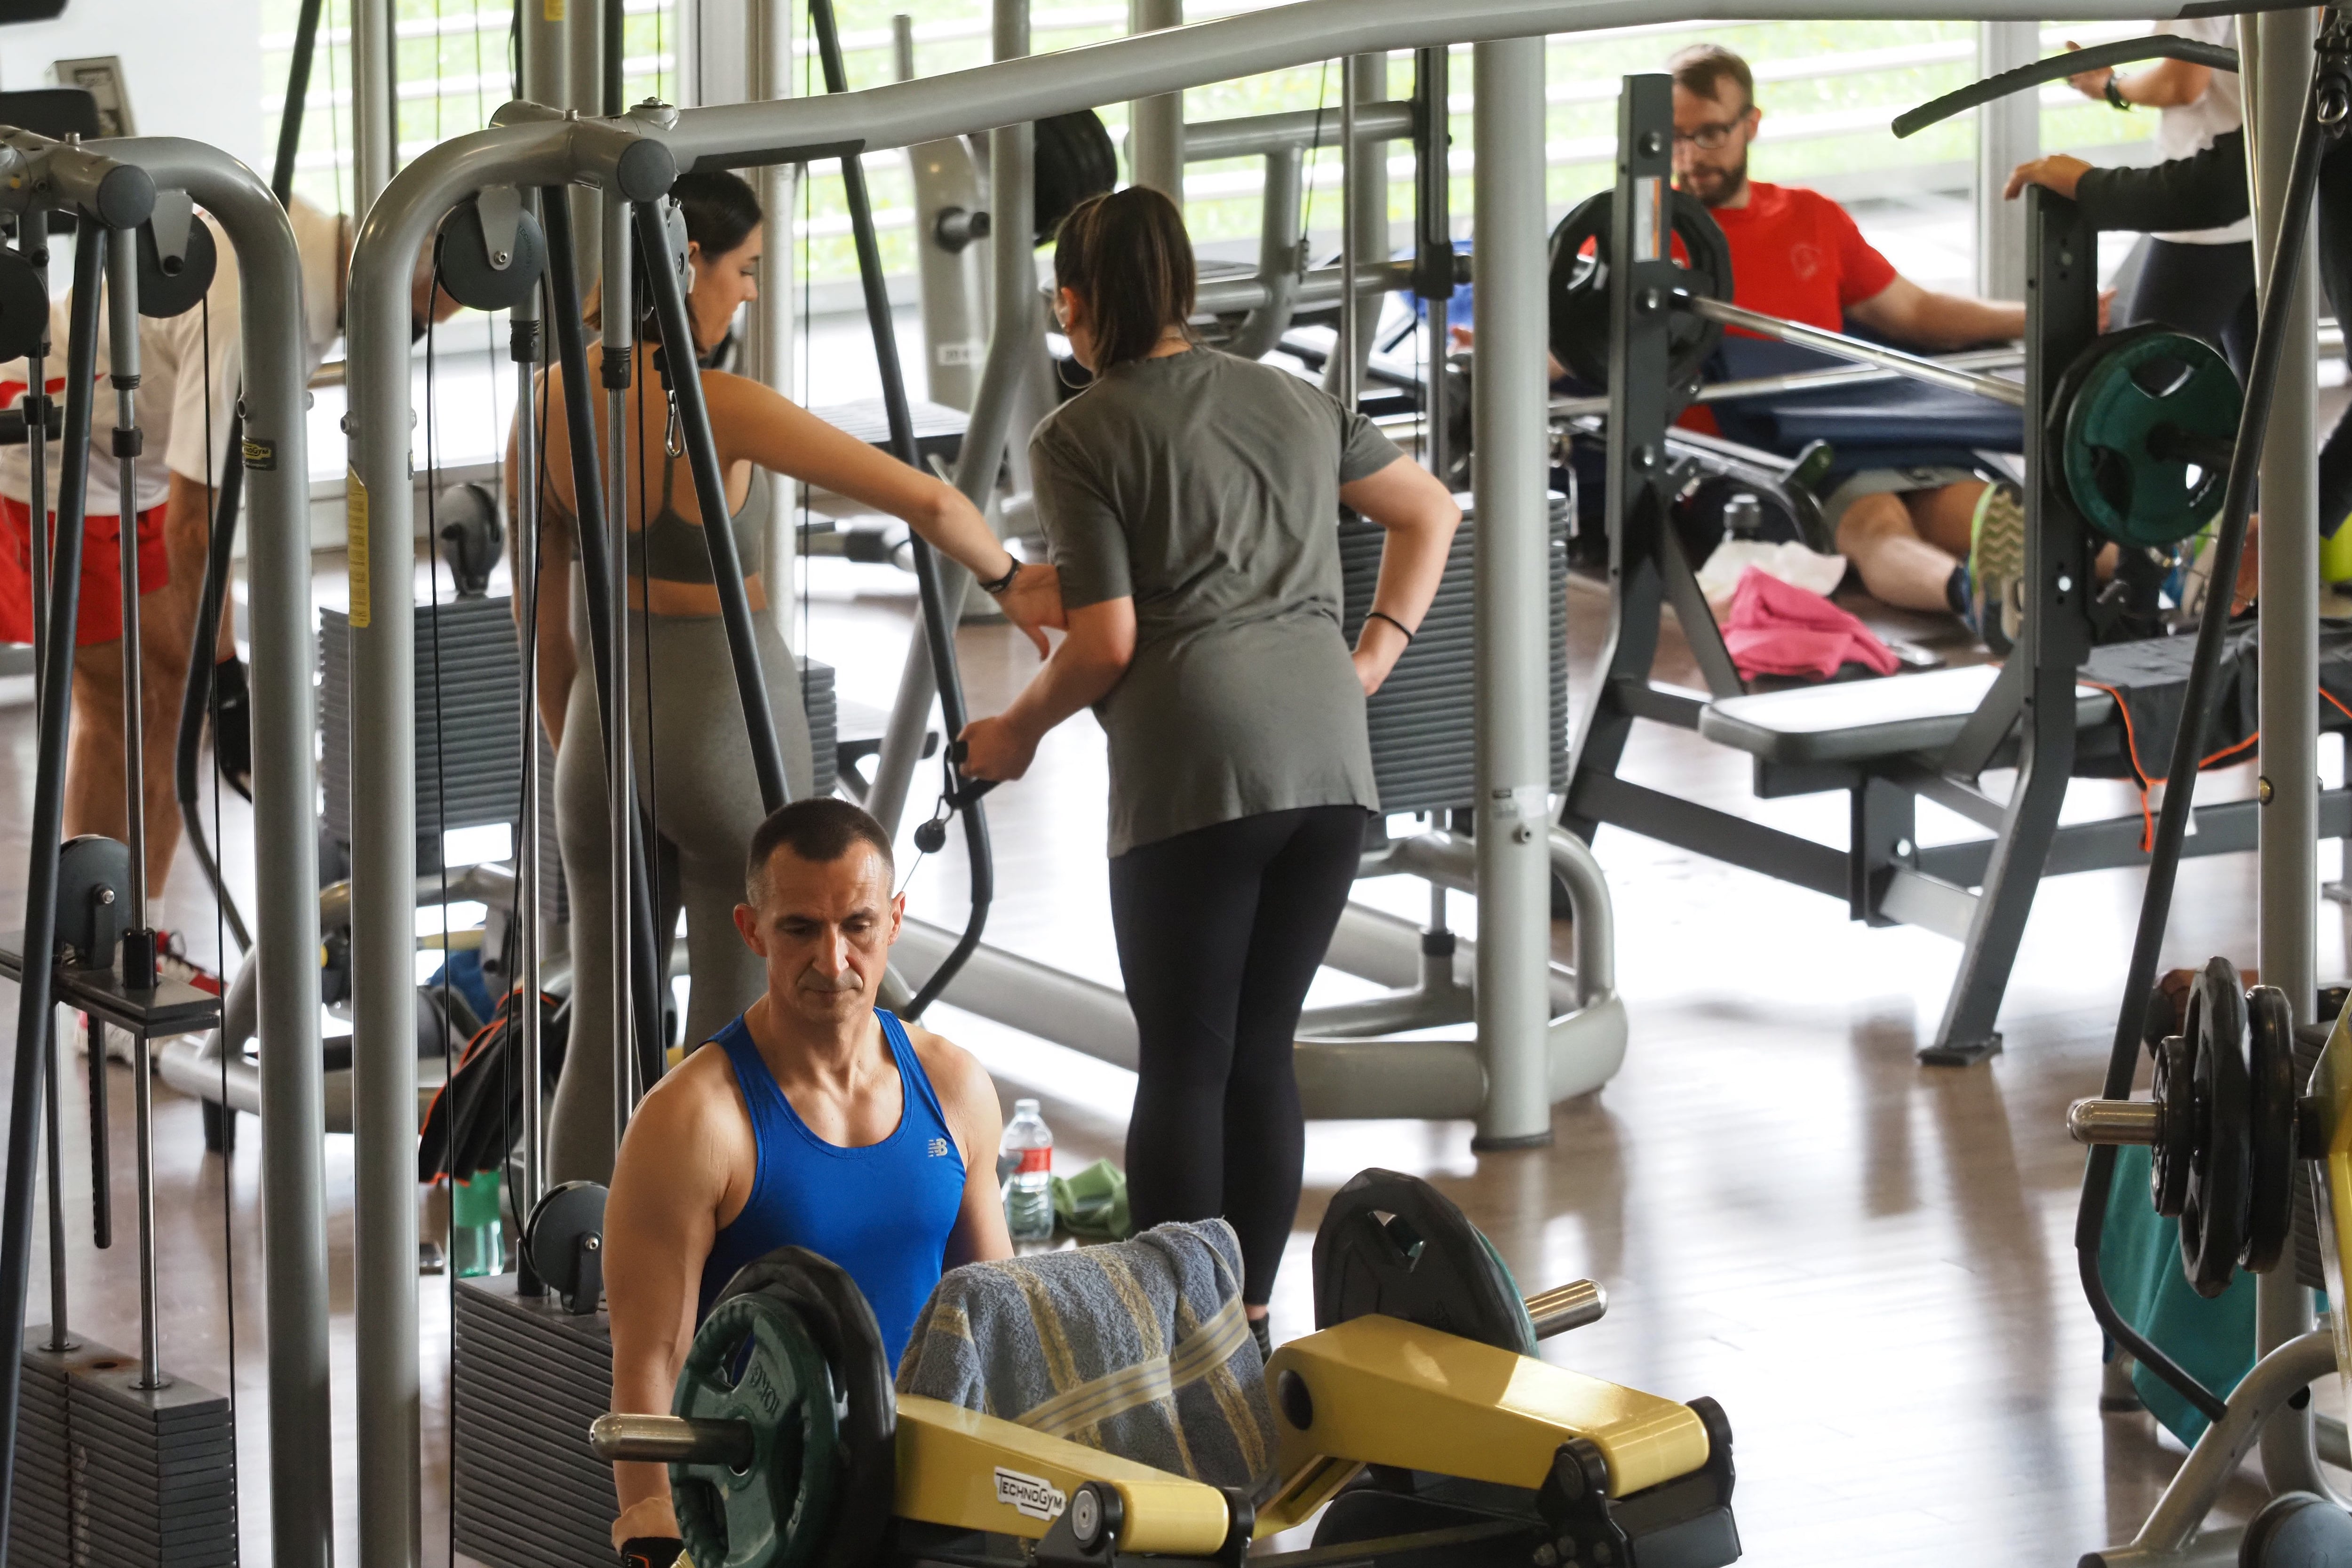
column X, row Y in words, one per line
column 1997, row 565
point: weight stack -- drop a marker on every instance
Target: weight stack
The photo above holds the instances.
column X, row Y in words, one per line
column 39, row 1527
column 530, row 1377
column 1423, row 717
column 148, row 1477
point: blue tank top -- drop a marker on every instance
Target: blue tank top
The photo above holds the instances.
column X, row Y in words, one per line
column 883, row 1212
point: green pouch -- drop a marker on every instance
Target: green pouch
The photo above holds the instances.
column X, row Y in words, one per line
column 1092, row 1205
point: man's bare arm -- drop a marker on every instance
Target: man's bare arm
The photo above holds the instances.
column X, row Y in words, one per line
column 662, row 1214
column 1922, row 319
column 968, row 1096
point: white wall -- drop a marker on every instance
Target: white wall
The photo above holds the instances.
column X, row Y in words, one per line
column 190, row 67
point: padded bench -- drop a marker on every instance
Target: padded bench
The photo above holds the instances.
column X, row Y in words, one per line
column 938, row 429
column 1864, row 721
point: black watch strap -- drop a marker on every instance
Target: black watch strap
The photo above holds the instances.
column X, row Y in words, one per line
column 998, row 584
column 2114, row 94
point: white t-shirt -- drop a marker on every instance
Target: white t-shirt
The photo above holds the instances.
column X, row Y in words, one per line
column 172, row 380
column 2189, row 130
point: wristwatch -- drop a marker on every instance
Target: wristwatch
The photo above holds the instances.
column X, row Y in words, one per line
column 2114, row 94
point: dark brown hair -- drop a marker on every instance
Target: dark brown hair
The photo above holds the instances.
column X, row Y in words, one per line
column 720, row 210
column 1128, row 257
column 820, row 830
column 1702, row 69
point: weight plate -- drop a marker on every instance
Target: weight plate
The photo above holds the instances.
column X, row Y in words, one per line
column 1581, row 291
column 472, row 276
column 835, row 1311
column 1074, row 159
column 2116, row 405
column 2270, row 1070
column 2213, row 1219
column 23, row 307
column 754, row 1360
column 1394, row 1245
column 557, row 1222
column 2176, row 1133
column 172, row 286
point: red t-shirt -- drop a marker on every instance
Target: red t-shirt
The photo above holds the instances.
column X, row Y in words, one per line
column 1795, row 254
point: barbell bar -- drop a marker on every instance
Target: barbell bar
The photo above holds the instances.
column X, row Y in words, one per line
column 1918, row 367
column 682, row 1440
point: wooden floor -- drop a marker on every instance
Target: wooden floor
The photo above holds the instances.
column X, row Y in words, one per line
column 1866, row 1260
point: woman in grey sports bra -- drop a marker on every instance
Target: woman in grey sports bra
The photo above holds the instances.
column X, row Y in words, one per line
column 684, row 707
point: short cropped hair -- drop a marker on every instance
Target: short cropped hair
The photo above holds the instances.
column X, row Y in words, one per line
column 1126, row 254
column 1702, row 69
column 820, row 830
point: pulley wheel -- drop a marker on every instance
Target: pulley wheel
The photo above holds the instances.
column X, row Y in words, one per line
column 1074, row 160
column 557, row 1223
column 754, row 1361
column 836, row 1315
column 93, row 898
column 473, row 276
column 1581, row 289
column 2213, row 1219
column 172, row 286
column 2270, row 1072
column 2176, row 1126
column 1393, row 1244
column 2125, row 410
column 23, row 307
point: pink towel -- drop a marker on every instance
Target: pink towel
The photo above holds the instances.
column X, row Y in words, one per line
column 1778, row 629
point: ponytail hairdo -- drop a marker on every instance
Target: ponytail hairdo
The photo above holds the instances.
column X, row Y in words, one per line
column 1126, row 254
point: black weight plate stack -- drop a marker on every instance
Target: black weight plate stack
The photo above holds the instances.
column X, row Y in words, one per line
column 1423, row 718
column 154, row 1470
column 39, row 1523
column 2176, row 1132
column 1581, row 288
column 838, row 1316
column 2271, row 1082
column 529, row 1378
column 1393, row 1244
column 2213, row 1220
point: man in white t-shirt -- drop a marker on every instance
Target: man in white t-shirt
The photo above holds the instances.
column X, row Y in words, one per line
column 2194, row 280
column 178, row 475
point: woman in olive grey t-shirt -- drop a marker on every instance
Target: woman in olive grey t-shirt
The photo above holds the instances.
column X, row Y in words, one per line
column 1192, row 500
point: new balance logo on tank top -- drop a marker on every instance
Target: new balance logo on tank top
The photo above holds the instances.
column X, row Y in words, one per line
column 883, row 1212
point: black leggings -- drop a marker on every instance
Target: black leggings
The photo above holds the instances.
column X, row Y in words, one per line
column 2207, row 289
column 1219, row 933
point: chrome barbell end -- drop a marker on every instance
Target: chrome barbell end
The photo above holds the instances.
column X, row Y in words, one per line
column 670, row 1440
column 1566, row 1307
column 2113, row 1121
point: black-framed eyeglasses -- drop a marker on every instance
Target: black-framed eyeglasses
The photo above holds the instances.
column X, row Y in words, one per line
column 1710, row 137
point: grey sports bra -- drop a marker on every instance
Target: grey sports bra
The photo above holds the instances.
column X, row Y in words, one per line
column 671, row 548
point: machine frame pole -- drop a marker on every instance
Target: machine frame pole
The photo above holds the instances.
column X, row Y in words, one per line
column 1155, row 125
column 524, row 328
column 2009, row 133
column 772, row 322
column 2277, row 58
column 376, row 116
column 1510, row 461
column 617, row 364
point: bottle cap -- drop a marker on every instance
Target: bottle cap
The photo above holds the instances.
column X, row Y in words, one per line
column 1024, row 1107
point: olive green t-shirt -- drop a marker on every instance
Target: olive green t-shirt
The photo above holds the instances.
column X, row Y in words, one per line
column 1206, row 487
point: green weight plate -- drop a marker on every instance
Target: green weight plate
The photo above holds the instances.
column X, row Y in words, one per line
column 2213, row 1219
column 2269, row 1063
column 753, row 1360
column 2121, row 407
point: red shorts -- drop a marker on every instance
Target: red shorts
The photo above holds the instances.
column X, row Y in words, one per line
column 100, row 617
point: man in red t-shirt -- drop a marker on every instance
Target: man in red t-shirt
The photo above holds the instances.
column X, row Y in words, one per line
column 1928, row 539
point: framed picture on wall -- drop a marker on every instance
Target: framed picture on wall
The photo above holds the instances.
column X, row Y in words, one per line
column 101, row 77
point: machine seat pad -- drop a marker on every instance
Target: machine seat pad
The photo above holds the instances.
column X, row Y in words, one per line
column 938, row 429
column 1139, row 1349
column 1867, row 721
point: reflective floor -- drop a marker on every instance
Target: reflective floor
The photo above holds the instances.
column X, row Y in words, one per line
column 1866, row 1261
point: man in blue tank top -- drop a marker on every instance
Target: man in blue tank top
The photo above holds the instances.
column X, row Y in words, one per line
column 814, row 1120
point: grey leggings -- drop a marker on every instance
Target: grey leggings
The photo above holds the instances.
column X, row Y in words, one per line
column 708, row 802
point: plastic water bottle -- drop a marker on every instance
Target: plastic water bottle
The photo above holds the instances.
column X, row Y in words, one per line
column 1026, row 1159
column 475, row 1245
